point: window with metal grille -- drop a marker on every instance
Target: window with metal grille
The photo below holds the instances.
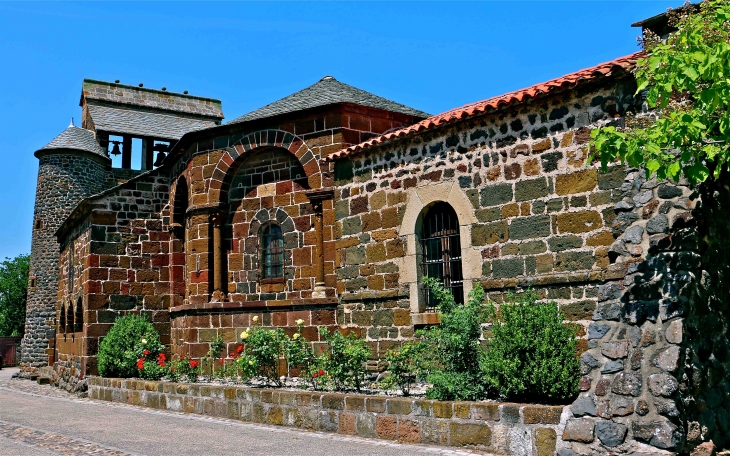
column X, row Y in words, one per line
column 441, row 249
column 272, row 251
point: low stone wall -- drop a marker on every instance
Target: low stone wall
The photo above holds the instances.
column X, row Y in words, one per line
column 501, row 428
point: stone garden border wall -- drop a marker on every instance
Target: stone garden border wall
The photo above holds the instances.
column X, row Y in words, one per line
column 501, row 428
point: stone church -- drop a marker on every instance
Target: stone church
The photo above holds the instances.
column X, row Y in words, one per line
column 331, row 204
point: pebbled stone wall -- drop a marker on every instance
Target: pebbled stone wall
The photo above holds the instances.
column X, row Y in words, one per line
column 64, row 179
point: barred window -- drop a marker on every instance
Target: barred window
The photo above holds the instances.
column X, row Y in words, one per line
column 441, row 249
column 272, row 251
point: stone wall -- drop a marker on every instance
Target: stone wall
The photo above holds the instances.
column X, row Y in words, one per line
column 533, row 214
column 122, row 262
column 499, row 428
column 64, row 179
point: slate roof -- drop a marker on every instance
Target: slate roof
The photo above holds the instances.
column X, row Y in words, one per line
column 326, row 91
column 557, row 85
column 76, row 138
column 144, row 123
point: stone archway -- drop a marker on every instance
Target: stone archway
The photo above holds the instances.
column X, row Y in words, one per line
column 419, row 200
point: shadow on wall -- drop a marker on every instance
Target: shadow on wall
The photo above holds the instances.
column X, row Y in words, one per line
column 683, row 287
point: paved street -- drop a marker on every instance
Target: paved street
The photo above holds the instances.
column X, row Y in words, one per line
column 42, row 420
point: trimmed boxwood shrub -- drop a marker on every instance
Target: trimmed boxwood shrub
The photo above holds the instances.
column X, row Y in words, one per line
column 532, row 355
column 125, row 344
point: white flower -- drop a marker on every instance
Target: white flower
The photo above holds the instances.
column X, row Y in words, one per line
column 295, row 336
column 250, row 363
column 255, row 319
column 244, row 335
column 144, row 341
column 300, row 322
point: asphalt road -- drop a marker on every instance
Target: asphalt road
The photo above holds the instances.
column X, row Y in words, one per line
column 38, row 420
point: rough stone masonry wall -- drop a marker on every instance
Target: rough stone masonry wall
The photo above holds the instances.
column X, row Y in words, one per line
column 499, row 428
column 63, row 180
column 529, row 210
column 533, row 215
column 123, row 252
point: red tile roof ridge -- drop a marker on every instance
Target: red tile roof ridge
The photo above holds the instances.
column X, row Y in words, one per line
column 480, row 107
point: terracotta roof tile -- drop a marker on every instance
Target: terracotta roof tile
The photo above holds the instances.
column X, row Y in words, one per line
column 553, row 86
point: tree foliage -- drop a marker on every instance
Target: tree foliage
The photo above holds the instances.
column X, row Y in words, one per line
column 687, row 83
column 13, row 293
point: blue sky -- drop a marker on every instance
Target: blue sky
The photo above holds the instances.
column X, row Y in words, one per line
column 430, row 55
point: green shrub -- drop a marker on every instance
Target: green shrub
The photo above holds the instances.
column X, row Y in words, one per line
column 125, row 344
column 532, row 354
column 261, row 353
column 344, row 364
column 456, row 373
column 407, row 365
column 299, row 354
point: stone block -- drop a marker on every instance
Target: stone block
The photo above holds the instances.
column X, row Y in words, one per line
column 409, row 431
column 485, row 412
column 611, row 434
column 578, row 182
column 442, row 409
column 527, row 190
column 495, row 195
column 662, row 385
column 469, row 434
column 661, row 434
column 578, row 222
column 365, row 424
column 615, row 349
column 399, row 406
column 530, row 227
column 542, row 414
column 386, row 427
column 584, row 405
column 627, row 384
column 508, row 268
column 579, row 430
column 489, row 233
column 545, row 441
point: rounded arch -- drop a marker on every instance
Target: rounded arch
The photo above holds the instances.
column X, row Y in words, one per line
column 69, row 317
column 62, row 319
column 180, row 201
column 420, row 200
column 79, row 316
column 231, row 160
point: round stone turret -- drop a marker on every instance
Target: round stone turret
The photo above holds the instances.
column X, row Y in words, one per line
column 71, row 167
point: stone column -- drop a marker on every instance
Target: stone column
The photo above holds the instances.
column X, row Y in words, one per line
column 317, row 197
column 218, row 257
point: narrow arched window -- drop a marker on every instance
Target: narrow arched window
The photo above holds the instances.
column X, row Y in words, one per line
column 272, row 251
column 79, row 316
column 441, row 251
column 70, row 317
column 62, row 320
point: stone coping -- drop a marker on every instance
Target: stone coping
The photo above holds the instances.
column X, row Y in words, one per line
column 491, row 426
column 236, row 305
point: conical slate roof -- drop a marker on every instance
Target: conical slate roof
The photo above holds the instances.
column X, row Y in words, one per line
column 327, row 90
column 76, row 138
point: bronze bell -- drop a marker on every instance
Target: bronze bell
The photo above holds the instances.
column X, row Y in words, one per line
column 160, row 159
column 115, row 149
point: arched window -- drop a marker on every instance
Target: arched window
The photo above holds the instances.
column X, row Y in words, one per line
column 441, row 249
column 79, row 316
column 271, row 251
column 69, row 317
column 62, row 320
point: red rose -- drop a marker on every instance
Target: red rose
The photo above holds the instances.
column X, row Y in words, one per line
column 239, row 349
column 140, row 363
column 321, row 372
column 315, row 375
column 161, row 356
column 146, row 352
column 193, row 364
